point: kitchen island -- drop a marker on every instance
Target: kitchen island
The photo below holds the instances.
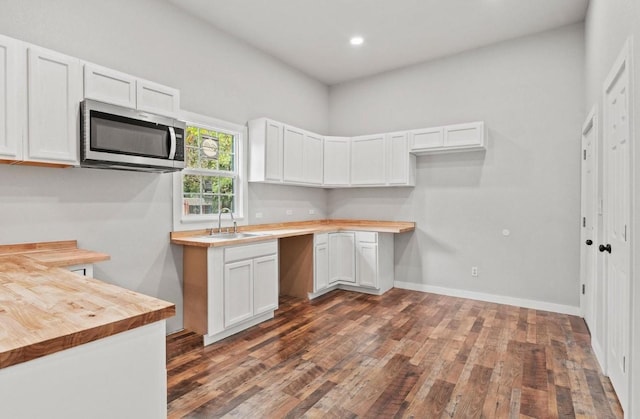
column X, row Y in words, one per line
column 73, row 346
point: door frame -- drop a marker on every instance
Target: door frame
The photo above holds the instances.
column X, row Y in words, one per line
column 599, row 341
column 623, row 60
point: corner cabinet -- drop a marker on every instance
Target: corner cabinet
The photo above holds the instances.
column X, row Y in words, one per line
column 229, row 289
column 359, row 261
column 337, row 161
column 368, row 160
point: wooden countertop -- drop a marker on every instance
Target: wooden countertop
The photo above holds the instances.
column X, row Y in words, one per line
column 45, row 309
column 280, row 230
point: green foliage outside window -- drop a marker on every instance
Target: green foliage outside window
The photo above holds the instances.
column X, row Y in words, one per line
column 209, row 151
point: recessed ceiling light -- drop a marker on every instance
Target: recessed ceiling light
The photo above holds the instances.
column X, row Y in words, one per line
column 356, row 40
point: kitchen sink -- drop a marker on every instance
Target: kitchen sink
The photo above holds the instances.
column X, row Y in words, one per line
column 229, row 236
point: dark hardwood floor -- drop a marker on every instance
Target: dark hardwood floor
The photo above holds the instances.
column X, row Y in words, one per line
column 404, row 354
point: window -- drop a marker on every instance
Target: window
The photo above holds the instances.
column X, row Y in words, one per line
column 212, row 179
column 208, row 182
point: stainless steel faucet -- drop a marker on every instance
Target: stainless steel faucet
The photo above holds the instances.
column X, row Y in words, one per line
column 235, row 224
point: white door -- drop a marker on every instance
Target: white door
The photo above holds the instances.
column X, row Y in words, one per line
column 265, row 284
column 589, row 195
column 616, row 245
column 238, row 292
column 54, row 94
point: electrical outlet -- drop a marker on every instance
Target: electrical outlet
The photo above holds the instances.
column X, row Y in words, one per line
column 474, row 271
column 312, row 211
column 258, row 215
column 289, row 212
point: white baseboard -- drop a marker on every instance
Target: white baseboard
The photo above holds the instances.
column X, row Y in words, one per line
column 491, row 298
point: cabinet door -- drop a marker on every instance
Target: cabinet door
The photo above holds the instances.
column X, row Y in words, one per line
column 427, row 138
column 106, row 85
column 368, row 160
column 273, row 151
column 265, row 284
column 313, row 151
column 337, row 155
column 293, row 144
column 367, row 265
column 398, row 159
column 238, row 292
column 341, row 257
column 321, row 267
column 54, row 94
column 156, row 98
column 464, row 135
column 12, row 82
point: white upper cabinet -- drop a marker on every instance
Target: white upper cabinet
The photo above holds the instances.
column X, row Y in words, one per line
column 156, row 98
column 368, row 156
column 265, row 150
column 107, row 85
column 337, row 161
column 401, row 165
column 293, row 171
column 111, row 86
column 281, row 153
column 54, row 86
column 12, row 76
column 312, row 158
column 462, row 137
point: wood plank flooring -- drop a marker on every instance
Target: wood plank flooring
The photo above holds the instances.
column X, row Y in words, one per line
column 403, row 354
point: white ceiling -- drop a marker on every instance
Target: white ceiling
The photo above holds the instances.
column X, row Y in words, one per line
column 313, row 35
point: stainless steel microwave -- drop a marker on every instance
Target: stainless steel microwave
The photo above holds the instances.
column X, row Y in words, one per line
column 115, row 137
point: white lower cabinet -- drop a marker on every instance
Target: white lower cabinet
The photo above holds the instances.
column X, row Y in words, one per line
column 320, row 262
column 341, row 258
column 357, row 261
column 229, row 289
column 238, row 292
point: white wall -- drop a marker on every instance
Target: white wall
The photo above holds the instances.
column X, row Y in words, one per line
column 529, row 92
column 608, row 24
column 128, row 215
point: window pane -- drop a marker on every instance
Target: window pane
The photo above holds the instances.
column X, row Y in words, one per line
column 209, row 150
column 226, row 201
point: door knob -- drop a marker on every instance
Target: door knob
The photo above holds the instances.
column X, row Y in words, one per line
column 604, row 248
column 589, row 242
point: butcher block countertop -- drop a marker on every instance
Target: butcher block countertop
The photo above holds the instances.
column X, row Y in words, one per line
column 45, row 308
column 280, row 230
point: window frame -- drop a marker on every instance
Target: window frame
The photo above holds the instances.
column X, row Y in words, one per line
column 183, row 222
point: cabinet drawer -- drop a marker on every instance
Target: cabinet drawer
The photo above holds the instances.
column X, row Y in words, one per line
column 367, row 237
column 250, row 251
column 320, row 238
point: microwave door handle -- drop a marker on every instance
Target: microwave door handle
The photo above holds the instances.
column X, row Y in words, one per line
column 172, row 150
